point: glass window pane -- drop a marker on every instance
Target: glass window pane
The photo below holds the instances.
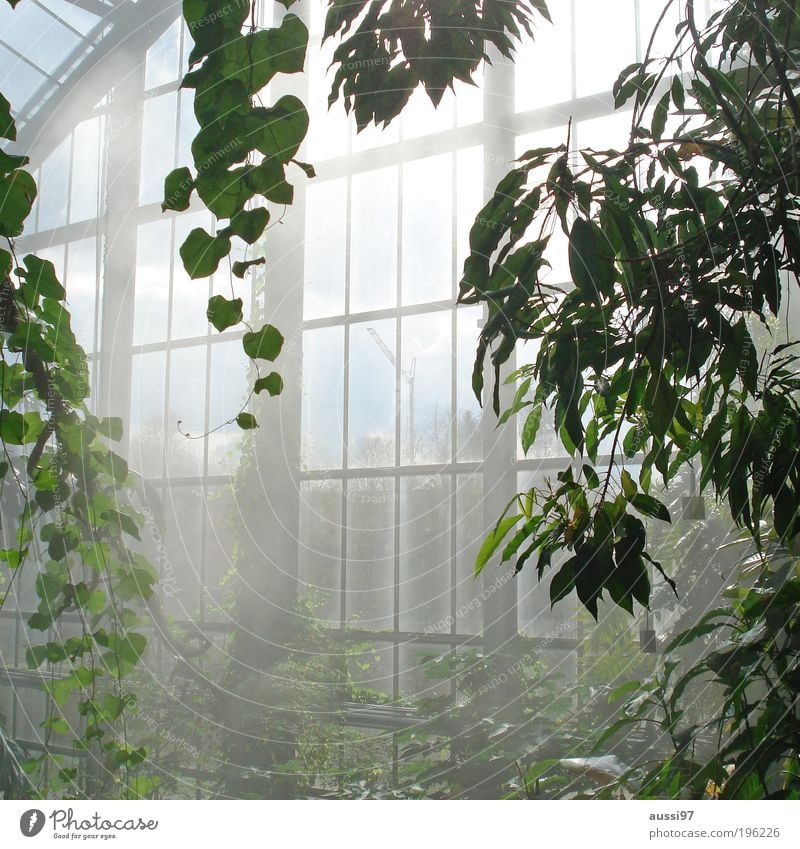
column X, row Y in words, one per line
column 427, row 229
column 18, row 81
column 425, row 557
column 373, row 246
column 425, row 407
column 39, row 37
column 80, row 282
column 54, row 187
column 187, row 405
column 470, row 192
column 370, row 553
column 188, row 128
column 469, row 100
column 229, row 388
column 469, row 440
column 543, row 70
column 158, row 138
column 79, row 19
column 86, row 170
column 611, row 24
column 371, row 438
column 421, row 118
column 178, row 561
column 373, row 136
column 608, row 132
column 665, row 38
column 55, row 254
column 469, row 538
column 145, row 455
column 323, row 398
column 189, row 297
column 153, row 260
column 325, row 247
column 161, row 62
column 320, row 559
column 329, row 130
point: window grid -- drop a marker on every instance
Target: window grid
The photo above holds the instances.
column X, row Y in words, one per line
column 456, row 137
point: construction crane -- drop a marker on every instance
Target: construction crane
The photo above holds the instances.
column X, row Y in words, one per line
column 408, row 376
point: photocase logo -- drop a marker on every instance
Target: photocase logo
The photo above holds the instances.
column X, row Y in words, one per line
column 31, row 822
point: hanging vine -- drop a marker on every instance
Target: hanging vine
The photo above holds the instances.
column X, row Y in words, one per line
column 241, row 151
column 73, row 525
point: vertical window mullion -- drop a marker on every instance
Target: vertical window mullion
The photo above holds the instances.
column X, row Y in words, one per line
column 398, row 413
column 345, row 455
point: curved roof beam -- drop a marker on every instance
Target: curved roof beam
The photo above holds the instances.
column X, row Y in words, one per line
column 113, row 49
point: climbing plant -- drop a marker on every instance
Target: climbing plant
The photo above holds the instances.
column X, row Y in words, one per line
column 228, row 69
column 243, row 148
column 65, row 515
column 678, row 246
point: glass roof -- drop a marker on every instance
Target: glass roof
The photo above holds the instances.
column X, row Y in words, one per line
column 43, row 41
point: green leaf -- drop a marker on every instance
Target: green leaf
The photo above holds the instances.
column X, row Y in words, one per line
column 122, row 521
column 223, row 313
column 265, row 344
column 531, row 427
column 201, row 253
column 309, row 169
column 11, row 162
column 96, row 603
column 130, row 647
column 279, row 130
column 629, row 487
column 590, row 260
column 18, row 192
column 272, row 383
column 8, row 129
column 494, row 539
column 660, row 114
column 281, row 50
column 12, row 427
column 111, row 428
column 592, row 440
column 241, row 268
column 707, row 625
column 623, row 690
column 224, row 192
column 246, row 421
column 249, row 224
column 61, row 689
column 563, row 582
column 269, row 179
column 178, row 187
column 649, row 506
column 678, row 94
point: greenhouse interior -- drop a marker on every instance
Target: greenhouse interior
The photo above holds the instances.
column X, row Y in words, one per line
column 399, row 399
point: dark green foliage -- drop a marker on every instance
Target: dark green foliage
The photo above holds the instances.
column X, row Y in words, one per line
column 272, row 383
column 242, row 148
column 752, row 662
column 389, row 49
column 68, row 488
column 223, row 313
column 653, row 348
column 14, row 784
